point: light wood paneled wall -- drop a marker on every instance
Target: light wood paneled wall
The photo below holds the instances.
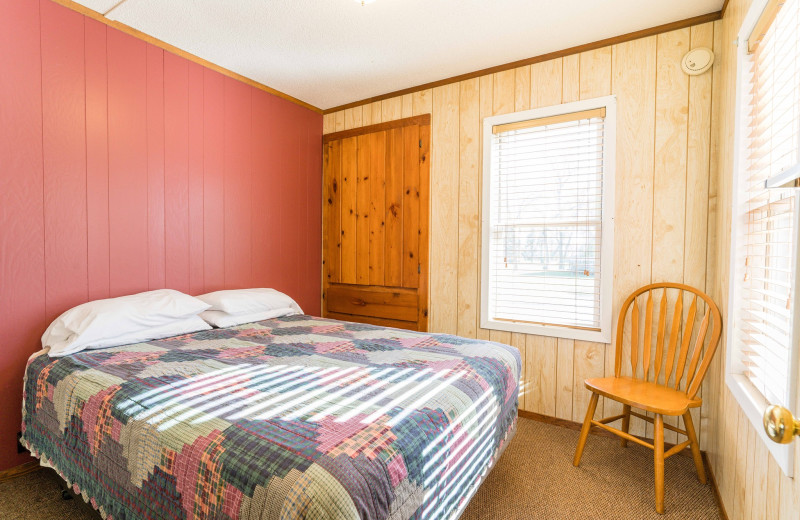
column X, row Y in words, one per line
column 662, row 191
column 751, row 484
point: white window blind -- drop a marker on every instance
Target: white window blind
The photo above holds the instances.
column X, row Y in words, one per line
column 765, row 220
column 546, row 222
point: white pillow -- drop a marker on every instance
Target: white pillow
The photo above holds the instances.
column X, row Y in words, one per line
column 174, row 328
column 223, row 319
column 102, row 322
column 249, row 301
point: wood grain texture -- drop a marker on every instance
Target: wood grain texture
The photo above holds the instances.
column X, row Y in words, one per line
column 727, row 434
column 375, row 210
column 555, row 369
column 469, row 196
column 395, row 211
column 363, row 207
column 444, row 209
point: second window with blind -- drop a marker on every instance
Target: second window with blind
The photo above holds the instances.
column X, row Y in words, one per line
column 548, row 220
column 762, row 334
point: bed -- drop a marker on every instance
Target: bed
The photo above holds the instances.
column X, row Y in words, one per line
column 288, row 418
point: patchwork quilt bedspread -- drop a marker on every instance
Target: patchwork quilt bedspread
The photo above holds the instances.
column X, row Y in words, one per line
column 289, row 418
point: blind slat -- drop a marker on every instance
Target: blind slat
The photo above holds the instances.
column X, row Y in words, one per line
column 546, row 220
column 765, row 232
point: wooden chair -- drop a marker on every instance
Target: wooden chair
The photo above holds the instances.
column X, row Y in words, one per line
column 662, row 381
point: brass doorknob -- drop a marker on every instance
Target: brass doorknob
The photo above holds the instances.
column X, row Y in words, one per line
column 780, row 424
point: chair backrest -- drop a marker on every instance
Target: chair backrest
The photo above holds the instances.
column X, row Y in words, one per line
column 677, row 366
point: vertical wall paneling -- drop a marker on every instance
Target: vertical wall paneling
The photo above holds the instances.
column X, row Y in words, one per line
column 503, row 97
column 156, row 162
column 236, row 158
column 96, row 159
column 22, row 262
column 658, row 108
column 594, row 78
column 485, row 110
column 422, row 102
column 176, row 171
column 635, row 89
column 213, row 180
column 195, row 190
column 751, row 483
column 391, row 109
column 127, row 159
column 64, row 159
column 444, row 208
column 264, row 200
column 309, row 124
column 698, row 194
column 126, row 168
column 352, row 118
column 469, row 186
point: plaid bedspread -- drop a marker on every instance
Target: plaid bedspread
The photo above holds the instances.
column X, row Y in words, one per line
column 295, row 417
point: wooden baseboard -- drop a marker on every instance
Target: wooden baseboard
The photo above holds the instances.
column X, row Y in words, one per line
column 18, row 471
column 713, row 481
column 573, row 425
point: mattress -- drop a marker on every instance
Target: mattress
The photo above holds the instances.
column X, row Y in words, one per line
column 289, row 418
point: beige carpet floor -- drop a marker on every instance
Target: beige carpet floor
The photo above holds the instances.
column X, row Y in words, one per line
column 533, row 479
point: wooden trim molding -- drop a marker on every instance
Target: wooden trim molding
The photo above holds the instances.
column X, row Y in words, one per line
column 724, row 8
column 424, row 119
column 672, row 26
column 572, row 425
column 18, row 471
column 94, row 15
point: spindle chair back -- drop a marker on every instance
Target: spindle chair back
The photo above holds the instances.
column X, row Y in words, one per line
column 661, row 359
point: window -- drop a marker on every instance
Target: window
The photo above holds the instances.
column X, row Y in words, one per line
column 762, row 352
column 548, row 236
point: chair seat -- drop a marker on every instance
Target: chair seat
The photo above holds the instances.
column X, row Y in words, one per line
column 642, row 394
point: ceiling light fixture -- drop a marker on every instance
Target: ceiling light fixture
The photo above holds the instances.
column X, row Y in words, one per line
column 364, row 2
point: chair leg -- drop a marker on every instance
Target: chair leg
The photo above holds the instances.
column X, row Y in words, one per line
column 698, row 460
column 587, row 425
column 626, row 423
column 658, row 445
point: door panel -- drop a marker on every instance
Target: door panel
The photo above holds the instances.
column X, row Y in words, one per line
column 375, row 223
column 393, row 273
column 411, row 221
column 348, row 210
column 380, row 302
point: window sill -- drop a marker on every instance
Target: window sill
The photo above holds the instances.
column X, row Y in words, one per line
column 753, row 404
column 601, row 336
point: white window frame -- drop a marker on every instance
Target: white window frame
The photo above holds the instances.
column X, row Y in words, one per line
column 607, row 246
column 751, row 400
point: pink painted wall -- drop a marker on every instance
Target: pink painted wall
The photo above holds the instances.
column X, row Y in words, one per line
column 125, row 168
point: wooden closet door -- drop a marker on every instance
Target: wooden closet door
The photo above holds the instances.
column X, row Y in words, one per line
column 375, row 224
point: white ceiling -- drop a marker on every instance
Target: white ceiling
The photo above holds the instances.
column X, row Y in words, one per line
column 332, row 52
